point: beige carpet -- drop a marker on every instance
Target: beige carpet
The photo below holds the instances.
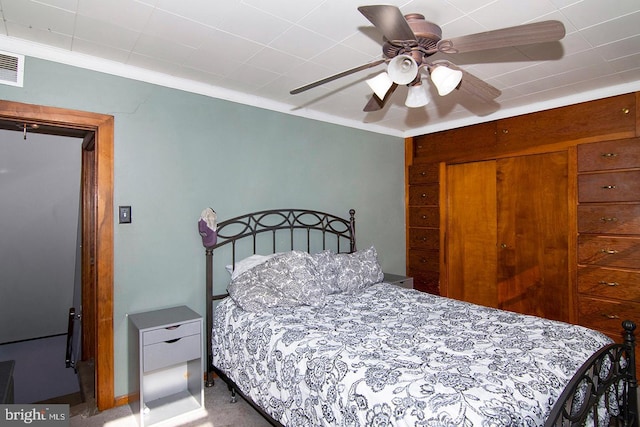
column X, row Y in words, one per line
column 218, row 412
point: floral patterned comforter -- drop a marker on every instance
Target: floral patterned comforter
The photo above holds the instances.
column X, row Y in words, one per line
column 390, row 356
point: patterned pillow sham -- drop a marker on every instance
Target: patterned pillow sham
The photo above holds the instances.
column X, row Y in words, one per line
column 285, row 280
column 247, row 264
column 358, row 270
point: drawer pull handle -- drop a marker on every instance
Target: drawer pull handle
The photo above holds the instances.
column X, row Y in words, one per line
column 608, row 187
column 171, row 328
column 611, row 316
column 605, row 219
column 625, row 110
column 424, row 195
column 609, row 251
column 423, row 260
column 424, row 217
column 609, row 155
column 173, row 340
column 423, row 173
column 602, row 282
column 424, row 239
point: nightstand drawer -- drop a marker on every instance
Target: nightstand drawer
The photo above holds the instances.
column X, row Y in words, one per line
column 170, row 333
column 167, row 353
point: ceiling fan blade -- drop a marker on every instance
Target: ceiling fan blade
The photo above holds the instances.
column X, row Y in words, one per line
column 389, row 20
column 336, row 76
column 537, row 32
column 376, row 103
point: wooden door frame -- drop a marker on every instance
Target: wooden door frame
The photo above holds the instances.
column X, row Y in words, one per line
column 97, row 209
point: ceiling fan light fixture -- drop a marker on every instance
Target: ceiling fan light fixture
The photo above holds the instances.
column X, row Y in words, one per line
column 380, row 84
column 445, row 79
column 402, row 69
column 418, row 96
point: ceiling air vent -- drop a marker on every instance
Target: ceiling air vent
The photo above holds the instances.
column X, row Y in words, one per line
column 11, row 69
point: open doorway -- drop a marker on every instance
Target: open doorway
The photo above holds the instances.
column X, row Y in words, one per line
column 97, row 226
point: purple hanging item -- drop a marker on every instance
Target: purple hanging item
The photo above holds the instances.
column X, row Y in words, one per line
column 207, row 227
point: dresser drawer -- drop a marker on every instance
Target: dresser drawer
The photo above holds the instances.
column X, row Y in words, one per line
column 424, row 216
column 621, row 252
column 608, row 155
column 424, row 238
column 422, row 173
column 167, row 353
column 609, row 219
column 170, row 333
column 423, row 260
column 609, row 187
column 424, row 194
column 426, row 281
column 606, row 316
column 609, row 283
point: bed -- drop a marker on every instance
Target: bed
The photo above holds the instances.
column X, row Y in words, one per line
column 308, row 332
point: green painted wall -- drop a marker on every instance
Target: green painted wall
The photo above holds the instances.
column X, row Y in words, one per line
column 177, row 153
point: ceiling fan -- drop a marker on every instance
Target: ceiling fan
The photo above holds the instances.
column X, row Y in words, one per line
column 410, row 40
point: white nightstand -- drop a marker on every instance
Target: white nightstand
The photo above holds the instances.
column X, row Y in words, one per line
column 166, row 364
column 402, row 281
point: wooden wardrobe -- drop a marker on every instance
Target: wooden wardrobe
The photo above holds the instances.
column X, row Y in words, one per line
column 538, row 214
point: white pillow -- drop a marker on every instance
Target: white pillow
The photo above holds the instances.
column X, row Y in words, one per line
column 247, row 264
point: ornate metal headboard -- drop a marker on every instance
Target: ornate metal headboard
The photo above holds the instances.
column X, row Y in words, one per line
column 301, row 229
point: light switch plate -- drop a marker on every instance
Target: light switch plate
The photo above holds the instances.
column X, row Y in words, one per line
column 124, row 214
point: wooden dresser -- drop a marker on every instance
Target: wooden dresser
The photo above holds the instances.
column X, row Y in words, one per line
column 538, row 213
column 608, row 233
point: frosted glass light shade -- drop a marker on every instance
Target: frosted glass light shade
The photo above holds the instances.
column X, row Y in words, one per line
column 445, row 79
column 380, row 84
column 402, row 69
column 418, row 96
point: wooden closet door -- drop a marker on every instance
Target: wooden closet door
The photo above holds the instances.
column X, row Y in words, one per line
column 533, row 217
column 471, row 232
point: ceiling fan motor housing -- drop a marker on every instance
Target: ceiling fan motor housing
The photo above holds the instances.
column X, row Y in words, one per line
column 427, row 35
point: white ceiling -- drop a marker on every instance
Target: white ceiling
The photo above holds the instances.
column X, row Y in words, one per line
column 255, row 51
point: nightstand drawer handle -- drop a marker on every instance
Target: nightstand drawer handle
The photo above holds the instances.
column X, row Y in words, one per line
column 605, row 219
column 611, row 316
column 173, row 340
column 423, row 260
column 609, row 155
column 608, row 187
column 609, row 251
column 423, row 195
column 602, row 282
column 424, row 217
column 423, row 173
column 171, row 328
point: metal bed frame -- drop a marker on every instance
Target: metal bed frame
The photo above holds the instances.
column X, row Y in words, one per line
column 607, row 376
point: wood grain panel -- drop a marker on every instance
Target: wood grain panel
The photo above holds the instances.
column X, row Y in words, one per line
column 471, row 233
column 614, row 117
column 456, row 144
column 533, row 251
